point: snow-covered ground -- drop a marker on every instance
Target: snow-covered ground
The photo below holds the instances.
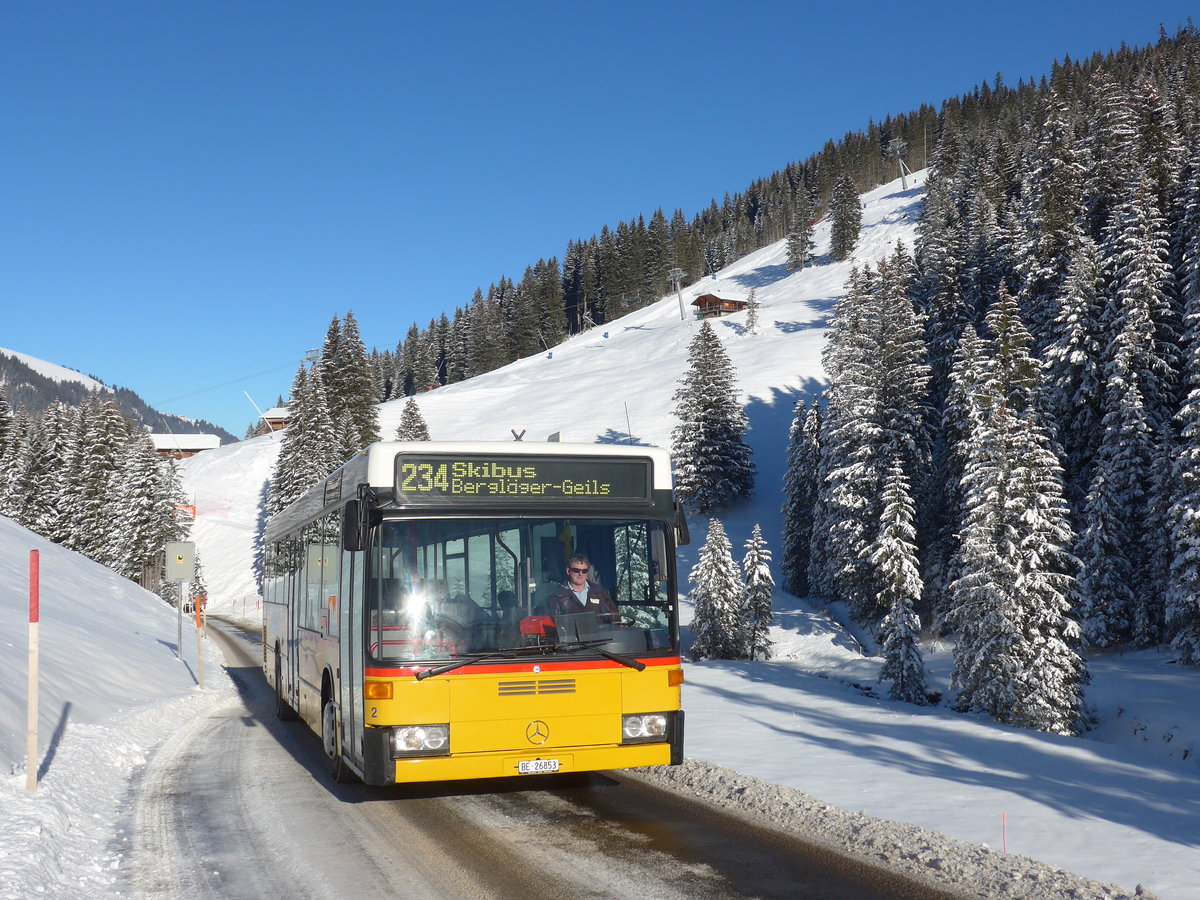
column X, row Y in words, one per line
column 1121, row 805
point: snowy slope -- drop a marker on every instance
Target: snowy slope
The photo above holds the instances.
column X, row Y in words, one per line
column 54, row 372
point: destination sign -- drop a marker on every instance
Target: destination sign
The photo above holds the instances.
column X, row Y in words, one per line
column 519, row 480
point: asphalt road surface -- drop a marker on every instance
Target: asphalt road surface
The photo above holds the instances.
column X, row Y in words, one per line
column 239, row 805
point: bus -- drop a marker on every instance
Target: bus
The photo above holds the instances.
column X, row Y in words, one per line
column 408, row 620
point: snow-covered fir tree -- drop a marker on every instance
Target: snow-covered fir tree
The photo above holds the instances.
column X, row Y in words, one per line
column 752, row 307
column 143, row 507
column 198, row 586
column 104, row 433
column 800, row 231
column 713, row 462
column 31, row 489
column 845, row 216
column 800, row 496
column 347, row 435
column 310, row 446
column 412, row 425
column 1016, row 658
column 894, row 553
column 718, row 622
column 759, row 589
column 1051, row 202
column 6, row 432
column 55, row 519
column 877, row 414
column 10, row 499
column 1072, row 382
column 1182, row 599
column 348, row 383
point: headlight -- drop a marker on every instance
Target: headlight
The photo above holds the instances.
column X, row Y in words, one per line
column 644, row 727
column 420, row 740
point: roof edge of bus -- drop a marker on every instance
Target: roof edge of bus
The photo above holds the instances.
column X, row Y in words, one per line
column 518, row 447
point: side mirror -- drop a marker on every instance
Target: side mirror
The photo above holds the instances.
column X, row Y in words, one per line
column 354, row 528
column 658, row 554
column 682, row 536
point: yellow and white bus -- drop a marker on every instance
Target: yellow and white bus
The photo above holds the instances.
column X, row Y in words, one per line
column 406, row 616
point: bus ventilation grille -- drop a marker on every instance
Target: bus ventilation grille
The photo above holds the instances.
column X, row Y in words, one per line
column 533, row 687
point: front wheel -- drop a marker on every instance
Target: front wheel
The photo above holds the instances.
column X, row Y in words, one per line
column 337, row 766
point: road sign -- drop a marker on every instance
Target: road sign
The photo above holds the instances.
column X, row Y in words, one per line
column 181, row 561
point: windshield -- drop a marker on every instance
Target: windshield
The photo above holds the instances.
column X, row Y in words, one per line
column 447, row 588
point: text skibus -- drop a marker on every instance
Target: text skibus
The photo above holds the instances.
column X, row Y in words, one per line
column 405, row 616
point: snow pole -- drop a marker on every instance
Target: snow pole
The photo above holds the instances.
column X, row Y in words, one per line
column 31, row 736
column 1004, row 832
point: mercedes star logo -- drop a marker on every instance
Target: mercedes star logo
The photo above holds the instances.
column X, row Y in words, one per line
column 537, row 732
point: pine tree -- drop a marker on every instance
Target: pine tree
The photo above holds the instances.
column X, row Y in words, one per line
column 1182, row 600
column 142, row 506
column 845, row 215
column 198, row 586
column 800, row 497
column 1054, row 194
column 6, row 431
column 1142, row 320
column 1119, row 543
column 717, row 623
column 12, row 500
column 1072, row 383
column 800, row 231
column 30, row 491
column 752, row 306
column 56, row 520
column 348, row 382
column 712, row 460
column 104, row 433
column 759, row 587
column 894, row 553
column 1016, row 657
column 878, row 414
column 310, row 446
column 412, row 424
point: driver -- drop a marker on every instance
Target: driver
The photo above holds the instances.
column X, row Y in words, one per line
column 579, row 594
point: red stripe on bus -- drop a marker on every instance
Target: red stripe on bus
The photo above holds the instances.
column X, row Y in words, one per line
column 527, row 668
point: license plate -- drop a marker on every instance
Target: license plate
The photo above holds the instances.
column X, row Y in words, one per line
column 537, row 766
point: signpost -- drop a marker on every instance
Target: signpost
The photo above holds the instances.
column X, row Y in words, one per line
column 181, row 567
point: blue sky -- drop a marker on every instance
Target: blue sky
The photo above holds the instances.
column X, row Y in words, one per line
column 191, row 191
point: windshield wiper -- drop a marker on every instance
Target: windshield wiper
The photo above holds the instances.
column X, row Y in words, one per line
column 607, row 654
column 470, row 660
column 509, row 652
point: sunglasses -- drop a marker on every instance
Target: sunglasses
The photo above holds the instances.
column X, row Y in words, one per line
column 576, row 571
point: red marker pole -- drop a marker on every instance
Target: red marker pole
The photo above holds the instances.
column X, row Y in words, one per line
column 31, row 742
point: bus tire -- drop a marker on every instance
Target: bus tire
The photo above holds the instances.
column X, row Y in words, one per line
column 337, row 766
column 283, row 711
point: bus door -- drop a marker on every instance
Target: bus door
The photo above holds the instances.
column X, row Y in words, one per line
column 291, row 644
column 350, row 653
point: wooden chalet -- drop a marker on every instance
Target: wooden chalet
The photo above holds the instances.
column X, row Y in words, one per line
column 710, row 306
column 181, row 446
column 277, row 417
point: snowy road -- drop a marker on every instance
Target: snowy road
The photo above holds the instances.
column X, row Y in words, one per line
column 239, row 805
